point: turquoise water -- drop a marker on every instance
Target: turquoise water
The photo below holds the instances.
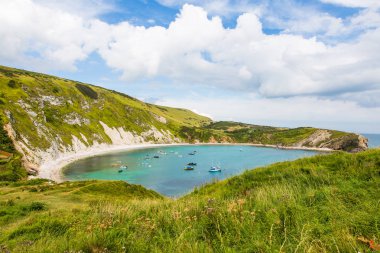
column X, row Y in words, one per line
column 373, row 140
column 166, row 174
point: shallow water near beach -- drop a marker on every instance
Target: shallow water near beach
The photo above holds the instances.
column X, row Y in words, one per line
column 166, row 174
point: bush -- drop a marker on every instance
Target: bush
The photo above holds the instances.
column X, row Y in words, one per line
column 6, row 143
column 12, row 84
column 87, row 91
column 55, row 89
column 35, row 206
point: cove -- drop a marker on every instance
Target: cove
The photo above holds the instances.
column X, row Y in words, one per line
column 166, row 174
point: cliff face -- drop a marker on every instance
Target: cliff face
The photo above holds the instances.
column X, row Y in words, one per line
column 351, row 143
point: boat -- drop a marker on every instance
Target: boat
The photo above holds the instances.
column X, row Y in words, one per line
column 191, row 153
column 120, row 171
column 215, row 169
column 189, row 168
column 156, row 156
column 123, row 167
column 192, row 164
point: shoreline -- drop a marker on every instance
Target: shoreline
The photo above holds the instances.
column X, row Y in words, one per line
column 53, row 170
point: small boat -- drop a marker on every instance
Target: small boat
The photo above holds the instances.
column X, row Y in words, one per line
column 189, row 168
column 192, row 164
column 123, row 167
column 156, row 156
column 191, row 153
column 120, row 171
column 215, row 169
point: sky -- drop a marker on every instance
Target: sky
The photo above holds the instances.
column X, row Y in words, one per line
column 286, row 63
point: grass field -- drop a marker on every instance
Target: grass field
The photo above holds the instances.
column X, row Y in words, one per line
column 319, row 204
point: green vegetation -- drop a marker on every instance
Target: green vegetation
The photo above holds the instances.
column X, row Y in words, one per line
column 319, row 204
column 10, row 169
column 86, row 90
column 6, row 143
column 12, row 84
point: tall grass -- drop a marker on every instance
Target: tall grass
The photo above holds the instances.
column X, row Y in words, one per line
column 319, row 204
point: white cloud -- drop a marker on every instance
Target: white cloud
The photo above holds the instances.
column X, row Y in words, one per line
column 355, row 3
column 197, row 49
column 83, row 8
column 243, row 58
column 225, row 8
column 41, row 37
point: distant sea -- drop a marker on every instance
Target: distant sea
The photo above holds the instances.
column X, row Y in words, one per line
column 373, row 140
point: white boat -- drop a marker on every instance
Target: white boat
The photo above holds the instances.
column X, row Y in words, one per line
column 123, row 167
column 215, row 169
column 189, row 168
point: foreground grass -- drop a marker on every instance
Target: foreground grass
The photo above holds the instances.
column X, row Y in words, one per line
column 319, row 204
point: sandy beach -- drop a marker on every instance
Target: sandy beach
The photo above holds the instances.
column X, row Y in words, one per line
column 53, row 169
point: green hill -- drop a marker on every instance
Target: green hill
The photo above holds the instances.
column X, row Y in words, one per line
column 48, row 117
column 327, row 203
column 309, row 137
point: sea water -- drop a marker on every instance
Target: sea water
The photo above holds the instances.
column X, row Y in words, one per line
column 166, row 174
column 373, row 140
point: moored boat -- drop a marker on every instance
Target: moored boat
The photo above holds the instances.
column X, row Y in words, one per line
column 189, row 168
column 215, row 169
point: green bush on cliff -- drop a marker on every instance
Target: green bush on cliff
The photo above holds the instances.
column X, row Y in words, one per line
column 12, row 169
column 87, row 91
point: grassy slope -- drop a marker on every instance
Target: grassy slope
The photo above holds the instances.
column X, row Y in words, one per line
column 24, row 96
column 97, row 104
column 318, row 204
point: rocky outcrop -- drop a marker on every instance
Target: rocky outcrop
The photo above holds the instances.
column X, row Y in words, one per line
column 323, row 139
column 349, row 143
column 315, row 140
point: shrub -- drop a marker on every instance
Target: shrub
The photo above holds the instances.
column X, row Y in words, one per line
column 35, row 206
column 12, row 84
column 6, row 143
column 87, row 91
column 55, row 89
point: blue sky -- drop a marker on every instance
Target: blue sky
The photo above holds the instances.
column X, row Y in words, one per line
column 284, row 63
